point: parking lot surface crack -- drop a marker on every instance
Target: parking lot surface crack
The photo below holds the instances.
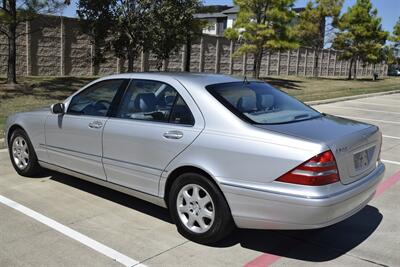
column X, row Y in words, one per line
column 158, row 254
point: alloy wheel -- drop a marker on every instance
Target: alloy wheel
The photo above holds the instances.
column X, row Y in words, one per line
column 195, row 208
column 20, row 152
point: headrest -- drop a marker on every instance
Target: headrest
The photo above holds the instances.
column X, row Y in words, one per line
column 145, row 102
column 265, row 101
column 247, row 103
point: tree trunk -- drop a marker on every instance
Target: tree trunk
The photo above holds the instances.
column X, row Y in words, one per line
column 188, row 53
column 350, row 68
column 12, row 44
column 130, row 62
column 165, row 63
column 316, row 63
column 257, row 63
column 355, row 70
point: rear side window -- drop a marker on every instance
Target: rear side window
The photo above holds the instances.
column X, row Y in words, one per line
column 154, row 101
column 181, row 113
column 260, row 103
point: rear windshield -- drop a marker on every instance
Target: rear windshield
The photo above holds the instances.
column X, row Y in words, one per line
column 260, row 103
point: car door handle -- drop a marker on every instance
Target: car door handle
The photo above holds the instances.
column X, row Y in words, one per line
column 173, row 135
column 95, row 124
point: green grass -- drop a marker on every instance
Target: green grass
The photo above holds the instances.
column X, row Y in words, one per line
column 34, row 92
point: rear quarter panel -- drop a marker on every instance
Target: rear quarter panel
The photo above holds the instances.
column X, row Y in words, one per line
column 251, row 160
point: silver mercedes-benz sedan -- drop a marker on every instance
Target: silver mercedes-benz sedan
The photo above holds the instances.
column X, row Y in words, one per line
column 217, row 151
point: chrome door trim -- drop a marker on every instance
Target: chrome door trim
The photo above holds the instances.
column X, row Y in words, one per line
column 66, row 150
column 135, row 193
column 130, row 163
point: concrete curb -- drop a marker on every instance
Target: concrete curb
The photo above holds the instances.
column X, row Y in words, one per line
column 338, row 99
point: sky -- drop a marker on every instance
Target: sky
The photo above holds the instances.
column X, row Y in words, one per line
column 388, row 10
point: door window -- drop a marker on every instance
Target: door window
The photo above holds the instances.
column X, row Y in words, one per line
column 95, row 100
column 154, row 101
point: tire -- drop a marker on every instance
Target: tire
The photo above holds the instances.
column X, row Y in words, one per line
column 22, row 154
column 204, row 219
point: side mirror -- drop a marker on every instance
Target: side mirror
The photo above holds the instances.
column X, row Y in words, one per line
column 57, row 108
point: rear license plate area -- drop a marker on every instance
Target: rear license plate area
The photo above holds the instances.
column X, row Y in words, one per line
column 363, row 158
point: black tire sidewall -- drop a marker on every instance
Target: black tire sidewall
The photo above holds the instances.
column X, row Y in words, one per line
column 222, row 225
column 33, row 166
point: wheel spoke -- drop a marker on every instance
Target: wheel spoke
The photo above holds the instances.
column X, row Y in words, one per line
column 204, row 201
column 200, row 221
column 205, row 213
column 195, row 194
column 183, row 209
column 186, row 196
column 191, row 220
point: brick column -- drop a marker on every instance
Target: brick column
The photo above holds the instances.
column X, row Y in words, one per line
column 305, row 62
column 144, row 65
column 231, row 51
column 201, row 59
column 28, row 48
column 244, row 64
column 278, row 64
column 217, row 55
column 297, row 61
column 62, row 47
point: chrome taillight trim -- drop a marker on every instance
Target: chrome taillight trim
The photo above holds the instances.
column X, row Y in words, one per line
column 320, row 164
column 316, row 174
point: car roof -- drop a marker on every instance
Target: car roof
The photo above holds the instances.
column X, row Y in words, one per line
column 200, row 79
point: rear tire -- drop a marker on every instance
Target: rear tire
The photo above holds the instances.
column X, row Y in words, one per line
column 199, row 209
column 22, row 154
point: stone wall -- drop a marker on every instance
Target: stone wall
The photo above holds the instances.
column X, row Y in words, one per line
column 55, row 46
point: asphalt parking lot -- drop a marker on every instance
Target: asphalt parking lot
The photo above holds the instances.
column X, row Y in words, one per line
column 58, row 220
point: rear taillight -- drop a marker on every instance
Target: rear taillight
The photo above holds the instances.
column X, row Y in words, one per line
column 319, row 170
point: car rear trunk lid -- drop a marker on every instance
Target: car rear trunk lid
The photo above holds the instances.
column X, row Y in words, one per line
column 354, row 144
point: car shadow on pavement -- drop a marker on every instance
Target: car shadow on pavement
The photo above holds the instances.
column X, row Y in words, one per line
column 308, row 245
column 317, row 245
column 114, row 196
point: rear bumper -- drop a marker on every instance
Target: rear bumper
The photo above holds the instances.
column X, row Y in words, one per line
column 259, row 209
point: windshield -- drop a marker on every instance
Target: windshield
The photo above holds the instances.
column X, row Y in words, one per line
column 261, row 103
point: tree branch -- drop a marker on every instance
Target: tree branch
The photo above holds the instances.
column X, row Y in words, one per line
column 2, row 31
column 4, row 7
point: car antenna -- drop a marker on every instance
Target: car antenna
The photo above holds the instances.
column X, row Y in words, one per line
column 245, row 81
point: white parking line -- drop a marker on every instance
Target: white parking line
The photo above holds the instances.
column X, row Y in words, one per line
column 365, row 119
column 391, row 137
column 390, row 161
column 364, row 109
column 87, row 241
column 375, row 104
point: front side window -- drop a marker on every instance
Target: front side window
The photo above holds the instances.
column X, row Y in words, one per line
column 154, row 101
column 95, row 100
column 260, row 103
